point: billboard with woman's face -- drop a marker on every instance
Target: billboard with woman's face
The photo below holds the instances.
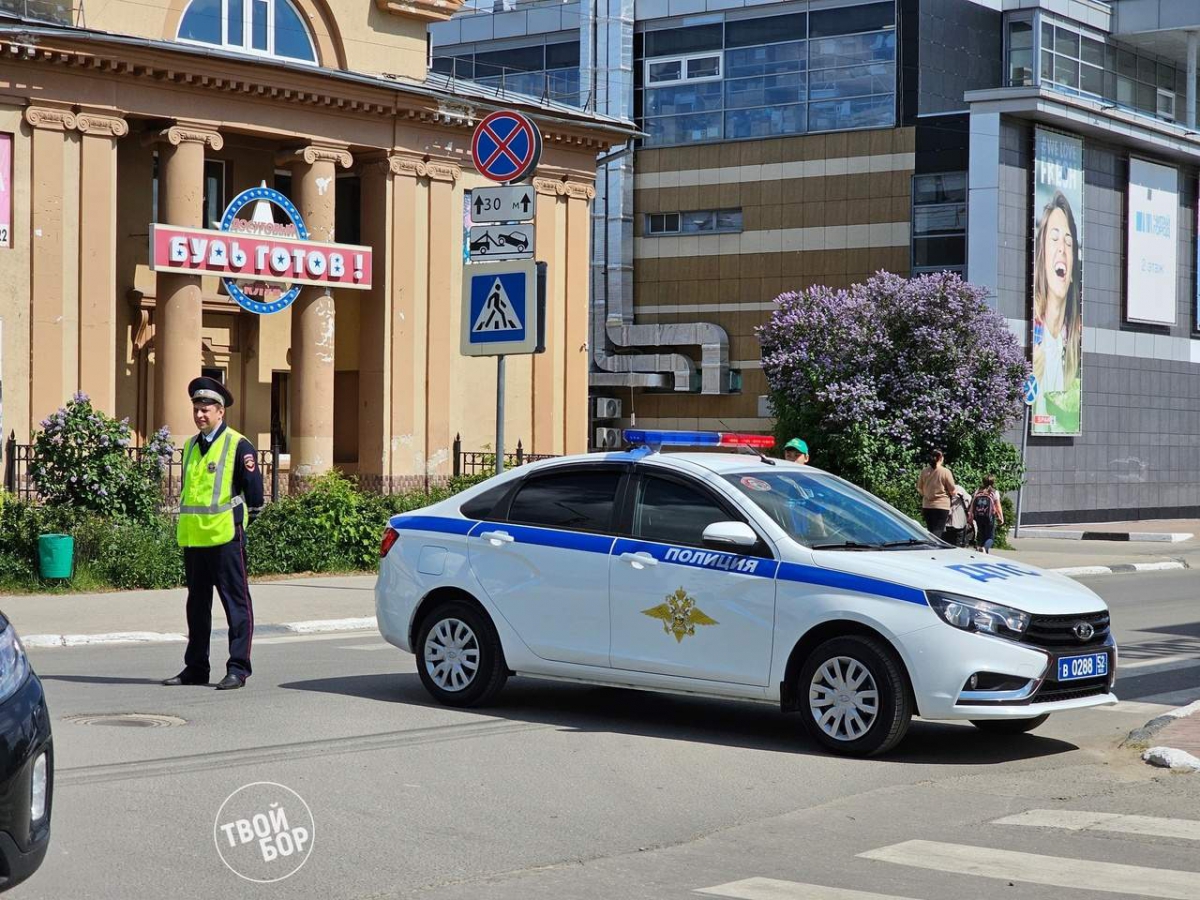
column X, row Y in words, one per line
column 1057, row 332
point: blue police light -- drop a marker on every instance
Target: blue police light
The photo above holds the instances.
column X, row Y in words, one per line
column 653, row 438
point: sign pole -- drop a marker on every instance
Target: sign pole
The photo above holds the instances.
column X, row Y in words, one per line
column 1021, row 486
column 500, row 414
column 1029, row 391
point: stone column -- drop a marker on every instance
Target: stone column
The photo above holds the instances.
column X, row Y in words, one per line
column 548, row 384
column 580, row 194
column 310, row 441
column 49, row 387
column 98, row 256
column 374, row 326
column 442, row 342
column 178, row 310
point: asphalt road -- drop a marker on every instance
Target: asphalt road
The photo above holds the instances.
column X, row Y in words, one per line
column 578, row 792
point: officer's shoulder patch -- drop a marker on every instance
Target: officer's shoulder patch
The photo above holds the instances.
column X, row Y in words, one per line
column 249, row 462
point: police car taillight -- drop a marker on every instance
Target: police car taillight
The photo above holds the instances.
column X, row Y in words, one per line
column 653, row 438
column 390, row 536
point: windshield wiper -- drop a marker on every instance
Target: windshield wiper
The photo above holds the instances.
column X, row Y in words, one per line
column 910, row 542
column 848, row 545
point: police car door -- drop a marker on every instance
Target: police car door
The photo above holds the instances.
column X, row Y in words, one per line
column 679, row 608
column 543, row 560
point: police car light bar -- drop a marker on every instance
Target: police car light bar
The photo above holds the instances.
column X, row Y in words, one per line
column 645, row 437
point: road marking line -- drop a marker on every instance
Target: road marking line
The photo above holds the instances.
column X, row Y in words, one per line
column 1161, row 663
column 1076, row 820
column 774, row 889
column 1010, row 865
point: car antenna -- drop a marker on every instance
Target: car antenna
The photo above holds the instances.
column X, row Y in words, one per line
column 761, row 456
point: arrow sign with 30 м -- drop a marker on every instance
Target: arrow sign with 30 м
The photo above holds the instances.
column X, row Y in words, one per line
column 517, row 203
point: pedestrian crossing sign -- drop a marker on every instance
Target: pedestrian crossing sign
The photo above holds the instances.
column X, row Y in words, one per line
column 499, row 308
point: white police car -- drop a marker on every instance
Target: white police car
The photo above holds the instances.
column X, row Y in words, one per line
column 730, row 575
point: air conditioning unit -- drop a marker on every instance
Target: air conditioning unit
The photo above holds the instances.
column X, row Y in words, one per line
column 608, row 438
column 608, row 408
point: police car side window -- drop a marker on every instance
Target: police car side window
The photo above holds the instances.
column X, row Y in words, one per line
column 672, row 512
column 482, row 507
column 575, row 500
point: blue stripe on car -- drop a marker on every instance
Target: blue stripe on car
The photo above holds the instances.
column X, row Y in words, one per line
column 550, row 537
column 860, row 583
column 439, row 524
column 697, row 558
column 667, row 553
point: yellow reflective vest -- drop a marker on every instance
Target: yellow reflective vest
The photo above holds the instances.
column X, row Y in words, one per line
column 206, row 500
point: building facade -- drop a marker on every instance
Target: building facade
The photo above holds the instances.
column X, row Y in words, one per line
column 163, row 113
column 818, row 141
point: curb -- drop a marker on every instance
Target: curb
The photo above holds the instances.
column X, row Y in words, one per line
column 316, row 626
column 1165, row 757
column 1162, row 537
column 1121, row 568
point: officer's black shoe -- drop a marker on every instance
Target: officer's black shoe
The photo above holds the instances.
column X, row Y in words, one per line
column 230, row 682
column 185, row 677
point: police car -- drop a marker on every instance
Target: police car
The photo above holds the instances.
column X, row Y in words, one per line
column 731, row 575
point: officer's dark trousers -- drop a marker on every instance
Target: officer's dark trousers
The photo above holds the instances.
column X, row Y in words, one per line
column 224, row 568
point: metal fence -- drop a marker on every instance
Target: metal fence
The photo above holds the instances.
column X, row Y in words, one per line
column 483, row 462
column 17, row 458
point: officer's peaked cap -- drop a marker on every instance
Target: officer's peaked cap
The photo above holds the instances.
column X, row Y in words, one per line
column 205, row 388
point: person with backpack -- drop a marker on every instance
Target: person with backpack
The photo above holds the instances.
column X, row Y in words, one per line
column 986, row 512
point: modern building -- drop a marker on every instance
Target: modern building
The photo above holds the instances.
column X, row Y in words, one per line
column 786, row 144
column 121, row 115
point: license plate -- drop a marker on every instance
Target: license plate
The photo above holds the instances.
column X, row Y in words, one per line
column 1090, row 665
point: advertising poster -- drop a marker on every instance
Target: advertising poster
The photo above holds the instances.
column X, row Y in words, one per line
column 1057, row 332
column 1150, row 285
column 6, row 197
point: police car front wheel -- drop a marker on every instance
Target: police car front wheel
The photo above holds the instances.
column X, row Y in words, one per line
column 460, row 659
column 856, row 697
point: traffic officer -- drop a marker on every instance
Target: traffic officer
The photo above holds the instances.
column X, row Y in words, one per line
column 222, row 489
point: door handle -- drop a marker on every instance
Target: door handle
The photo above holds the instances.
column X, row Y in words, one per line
column 639, row 560
column 496, row 538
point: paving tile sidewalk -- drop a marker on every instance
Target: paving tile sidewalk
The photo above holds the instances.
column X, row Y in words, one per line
column 1182, row 734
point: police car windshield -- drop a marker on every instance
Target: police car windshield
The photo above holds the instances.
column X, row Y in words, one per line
column 824, row 512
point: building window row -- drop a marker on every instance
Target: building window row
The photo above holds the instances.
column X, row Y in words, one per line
column 939, row 222
column 1072, row 58
column 825, row 70
column 699, row 221
column 539, row 70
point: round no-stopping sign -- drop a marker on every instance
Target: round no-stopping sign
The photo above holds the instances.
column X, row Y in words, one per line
column 506, row 146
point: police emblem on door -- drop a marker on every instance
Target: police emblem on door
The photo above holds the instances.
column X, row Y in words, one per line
column 679, row 615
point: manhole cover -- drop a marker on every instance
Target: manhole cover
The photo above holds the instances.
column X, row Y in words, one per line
column 128, row 720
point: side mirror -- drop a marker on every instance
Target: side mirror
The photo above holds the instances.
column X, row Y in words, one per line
column 724, row 535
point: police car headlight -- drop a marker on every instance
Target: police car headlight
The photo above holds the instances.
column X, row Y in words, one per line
column 13, row 664
column 970, row 614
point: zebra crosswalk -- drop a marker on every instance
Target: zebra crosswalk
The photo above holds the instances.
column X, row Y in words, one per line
column 1096, row 878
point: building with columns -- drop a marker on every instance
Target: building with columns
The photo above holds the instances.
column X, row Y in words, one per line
column 162, row 112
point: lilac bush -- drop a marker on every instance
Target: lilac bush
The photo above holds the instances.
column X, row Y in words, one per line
column 82, row 458
column 876, row 375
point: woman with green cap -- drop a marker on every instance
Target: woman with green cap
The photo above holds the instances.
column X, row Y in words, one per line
column 796, row 451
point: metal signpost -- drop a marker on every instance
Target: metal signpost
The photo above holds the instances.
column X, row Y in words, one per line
column 1030, row 391
column 502, row 301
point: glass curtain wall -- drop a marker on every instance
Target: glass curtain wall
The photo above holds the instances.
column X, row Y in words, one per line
column 550, row 70
column 1074, row 59
column 824, row 70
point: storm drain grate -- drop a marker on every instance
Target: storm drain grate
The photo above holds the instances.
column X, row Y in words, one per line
column 128, row 720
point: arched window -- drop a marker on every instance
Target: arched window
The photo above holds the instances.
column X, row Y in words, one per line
column 261, row 27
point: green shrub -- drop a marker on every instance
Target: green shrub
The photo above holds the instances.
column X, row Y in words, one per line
column 129, row 555
column 81, row 460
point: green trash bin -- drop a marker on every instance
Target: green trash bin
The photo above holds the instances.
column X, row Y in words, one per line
column 56, row 555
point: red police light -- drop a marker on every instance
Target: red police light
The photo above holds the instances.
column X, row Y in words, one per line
column 757, row 441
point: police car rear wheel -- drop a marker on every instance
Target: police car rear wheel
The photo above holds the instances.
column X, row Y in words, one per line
column 1009, row 726
column 461, row 663
column 856, row 697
